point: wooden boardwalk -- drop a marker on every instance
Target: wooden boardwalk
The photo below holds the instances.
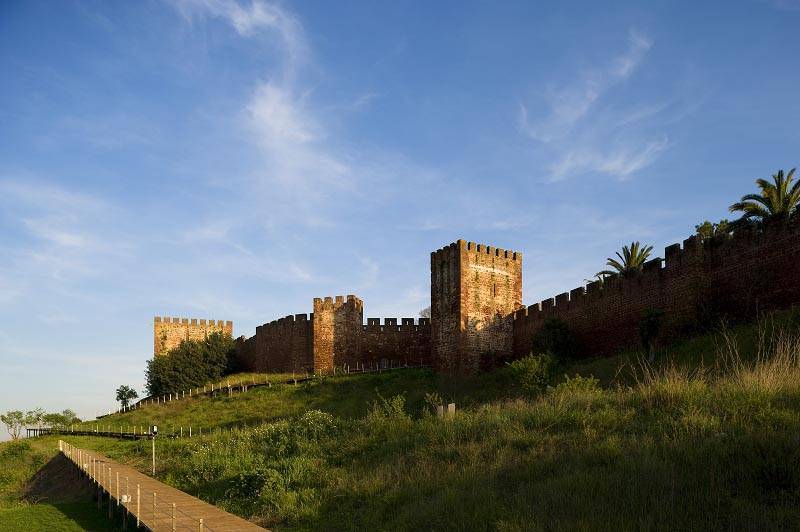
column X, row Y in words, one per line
column 144, row 501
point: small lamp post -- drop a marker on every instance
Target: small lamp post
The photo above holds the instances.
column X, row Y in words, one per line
column 153, row 433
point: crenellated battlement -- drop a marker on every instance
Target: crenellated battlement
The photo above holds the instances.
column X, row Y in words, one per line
column 337, row 302
column 391, row 324
column 454, row 249
column 193, row 321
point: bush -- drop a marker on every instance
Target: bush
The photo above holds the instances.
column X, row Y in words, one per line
column 534, row 372
column 649, row 327
column 555, row 337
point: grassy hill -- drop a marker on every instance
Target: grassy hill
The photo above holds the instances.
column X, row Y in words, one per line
column 24, row 507
column 706, row 437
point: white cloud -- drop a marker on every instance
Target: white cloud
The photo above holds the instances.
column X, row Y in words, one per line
column 249, row 19
column 583, row 133
column 569, row 104
column 621, row 161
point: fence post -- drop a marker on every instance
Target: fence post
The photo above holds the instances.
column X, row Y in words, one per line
column 201, row 525
column 173, row 517
column 110, row 507
column 154, row 510
column 138, row 505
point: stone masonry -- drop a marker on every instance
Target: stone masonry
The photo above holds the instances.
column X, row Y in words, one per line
column 168, row 333
column 475, row 290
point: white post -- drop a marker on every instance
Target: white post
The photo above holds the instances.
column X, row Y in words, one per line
column 138, row 505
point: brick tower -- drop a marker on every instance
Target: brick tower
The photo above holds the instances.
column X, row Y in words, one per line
column 475, row 290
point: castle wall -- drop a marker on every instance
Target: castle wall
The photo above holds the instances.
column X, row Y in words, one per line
column 279, row 346
column 335, row 336
column 699, row 282
column 475, row 290
column 392, row 344
column 168, row 333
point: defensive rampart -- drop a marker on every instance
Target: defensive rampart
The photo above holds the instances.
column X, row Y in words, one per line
column 168, row 333
column 695, row 286
column 335, row 335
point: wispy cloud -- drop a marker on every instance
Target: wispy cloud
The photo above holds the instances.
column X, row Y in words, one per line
column 580, row 132
column 251, row 19
column 569, row 104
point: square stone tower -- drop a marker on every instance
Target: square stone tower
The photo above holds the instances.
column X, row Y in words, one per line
column 337, row 327
column 475, row 290
column 168, row 333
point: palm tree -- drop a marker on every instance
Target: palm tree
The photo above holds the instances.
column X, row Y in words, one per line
column 777, row 201
column 630, row 260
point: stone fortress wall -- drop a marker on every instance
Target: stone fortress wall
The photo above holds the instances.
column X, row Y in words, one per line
column 168, row 333
column 697, row 285
column 334, row 335
column 478, row 320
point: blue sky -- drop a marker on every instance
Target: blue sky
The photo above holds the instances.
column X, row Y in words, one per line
column 233, row 160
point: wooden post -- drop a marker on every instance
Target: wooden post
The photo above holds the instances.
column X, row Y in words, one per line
column 154, row 511
column 138, row 506
column 201, row 525
column 181, row 432
column 190, row 431
column 117, row 488
column 173, row 517
column 110, row 507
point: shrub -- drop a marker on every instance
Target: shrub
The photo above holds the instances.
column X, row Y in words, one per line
column 534, row 372
column 555, row 337
column 192, row 363
column 578, row 384
column 649, row 327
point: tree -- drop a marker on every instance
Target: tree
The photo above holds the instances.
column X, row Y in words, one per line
column 426, row 312
column 630, row 262
column 193, row 363
column 35, row 417
column 777, row 202
column 13, row 420
column 61, row 419
column 125, row 394
column 709, row 231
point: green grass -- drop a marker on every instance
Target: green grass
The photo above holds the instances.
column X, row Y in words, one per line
column 348, row 396
column 19, row 461
column 705, row 438
column 64, row 517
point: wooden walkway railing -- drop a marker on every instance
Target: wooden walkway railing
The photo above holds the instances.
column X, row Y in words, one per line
column 141, row 500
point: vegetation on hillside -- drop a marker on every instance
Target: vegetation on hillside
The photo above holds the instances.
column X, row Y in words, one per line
column 193, row 363
column 705, row 437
